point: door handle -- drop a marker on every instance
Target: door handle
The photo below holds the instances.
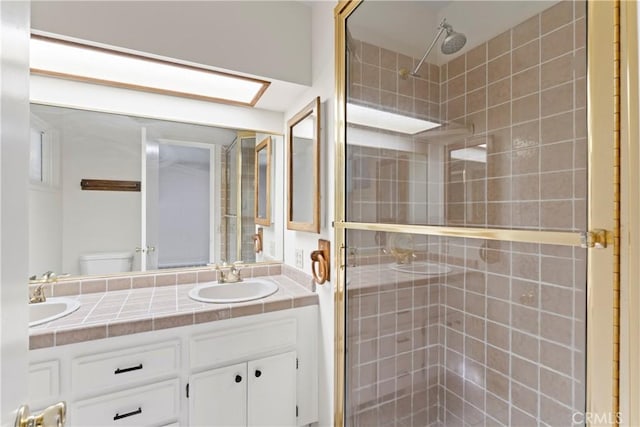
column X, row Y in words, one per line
column 53, row 416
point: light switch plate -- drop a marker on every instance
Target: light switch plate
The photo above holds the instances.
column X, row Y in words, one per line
column 300, row 259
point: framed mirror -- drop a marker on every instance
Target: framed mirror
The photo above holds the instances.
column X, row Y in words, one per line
column 303, row 169
column 263, row 182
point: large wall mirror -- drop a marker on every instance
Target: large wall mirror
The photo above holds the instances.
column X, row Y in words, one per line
column 194, row 204
column 303, row 176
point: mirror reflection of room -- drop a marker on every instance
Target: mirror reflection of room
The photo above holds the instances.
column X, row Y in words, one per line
column 194, row 205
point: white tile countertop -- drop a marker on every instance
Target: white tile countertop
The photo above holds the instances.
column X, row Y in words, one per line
column 135, row 310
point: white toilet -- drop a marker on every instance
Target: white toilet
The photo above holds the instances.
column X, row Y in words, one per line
column 105, row 263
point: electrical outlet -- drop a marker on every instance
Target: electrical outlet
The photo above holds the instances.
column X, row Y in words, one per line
column 300, row 259
column 272, row 248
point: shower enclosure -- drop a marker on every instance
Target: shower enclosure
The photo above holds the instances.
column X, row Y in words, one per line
column 471, row 290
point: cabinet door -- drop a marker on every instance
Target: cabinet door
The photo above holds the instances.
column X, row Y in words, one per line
column 219, row 397
column 272, row 391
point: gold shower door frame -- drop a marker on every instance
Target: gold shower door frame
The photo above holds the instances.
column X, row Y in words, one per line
column 604, row 98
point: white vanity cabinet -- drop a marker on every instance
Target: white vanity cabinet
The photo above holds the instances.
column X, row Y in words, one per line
column 257, row 393
column 246, row 371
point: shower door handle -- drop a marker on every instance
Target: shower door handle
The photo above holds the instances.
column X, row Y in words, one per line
column 595, row 239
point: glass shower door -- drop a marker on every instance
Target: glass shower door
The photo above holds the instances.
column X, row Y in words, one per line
column 467, row 273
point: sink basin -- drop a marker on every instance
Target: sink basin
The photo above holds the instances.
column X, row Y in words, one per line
column 52, row 309
column 246, row 290
column 424, row 268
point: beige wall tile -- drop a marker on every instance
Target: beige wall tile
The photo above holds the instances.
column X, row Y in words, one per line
column 555, row 357
column 499, row 68
column 388, row 80
column 554, row 414
column 524, row 372
column 476, row 101
column 580, row 33
column 476, row 78
column 524, row 345
column 499, row 45
column 558, row 185
column 389, row 60
column 477, row 56
column 456, row 108
column 498, row 360
column 557, row 329
column 498, row 384
column 557, row 99
column 557, row 71
column 370, row 54
column 557, row 157
column 526, row 31
column 499, row 117
column 371, row 76
column 557, row 16
column 456, row 67
column 557, row 128
column 456, row 87
column 557, row 43
column 526, row 82
column 499, row 92
column 526, row 109
column 556, row 214
column 524, row 399
column 525, row 56
column 522, row 419
column 405, row 86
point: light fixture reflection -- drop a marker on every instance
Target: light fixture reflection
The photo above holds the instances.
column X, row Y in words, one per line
column 371, row 117
column 75, row 61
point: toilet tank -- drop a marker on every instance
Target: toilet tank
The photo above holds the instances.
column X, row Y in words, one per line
column 105, row 263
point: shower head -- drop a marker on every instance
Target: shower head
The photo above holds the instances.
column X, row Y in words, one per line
column 452, row 43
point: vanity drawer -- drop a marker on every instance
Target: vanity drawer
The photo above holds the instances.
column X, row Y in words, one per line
column 155, row 404
column 124, row 367
column 230, row 345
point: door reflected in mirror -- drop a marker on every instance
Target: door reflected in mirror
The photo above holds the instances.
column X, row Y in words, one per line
column 262, row 183
column 194, row 205
column 303, row 178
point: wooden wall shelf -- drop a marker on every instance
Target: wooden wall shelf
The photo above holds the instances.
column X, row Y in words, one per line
column 109, row 185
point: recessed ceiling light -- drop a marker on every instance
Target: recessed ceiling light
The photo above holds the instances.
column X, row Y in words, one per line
column 76, row 61
column 371, row 117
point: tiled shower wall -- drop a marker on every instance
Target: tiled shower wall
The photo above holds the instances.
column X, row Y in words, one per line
column 524, row 91
column 511, row 328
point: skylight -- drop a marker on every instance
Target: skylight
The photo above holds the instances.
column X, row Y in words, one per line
column 75, row 61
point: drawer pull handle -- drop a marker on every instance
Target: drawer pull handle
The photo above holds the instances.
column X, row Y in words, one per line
column 128, row 414
column 122, row 371
column 238, row 378
column 258, row 373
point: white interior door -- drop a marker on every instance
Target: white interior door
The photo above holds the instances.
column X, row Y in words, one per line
column 14, row 158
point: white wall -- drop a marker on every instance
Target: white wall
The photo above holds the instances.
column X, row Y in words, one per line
column 99, row 221
column 265, row 38
column 323, row 85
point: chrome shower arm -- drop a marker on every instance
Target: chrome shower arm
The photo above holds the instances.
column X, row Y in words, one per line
column 441, row 29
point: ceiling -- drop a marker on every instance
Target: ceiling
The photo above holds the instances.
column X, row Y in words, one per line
column 90, row 122
column 408, row 27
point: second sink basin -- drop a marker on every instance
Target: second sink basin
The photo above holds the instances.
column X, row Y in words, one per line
column 425, row 268
column 246, row 290
column 52, row 309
